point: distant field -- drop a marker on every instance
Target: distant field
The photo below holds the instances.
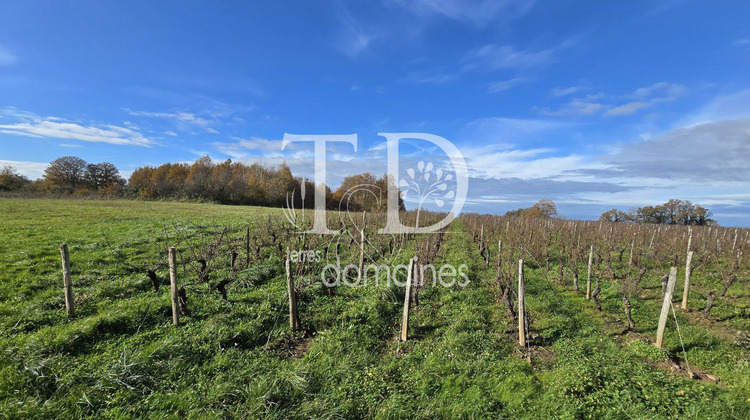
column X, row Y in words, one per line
column 120, row 355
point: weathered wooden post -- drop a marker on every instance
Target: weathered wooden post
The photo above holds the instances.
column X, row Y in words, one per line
column 630, row 257
column 499, row 254
column 173, row 286
column 70, row 304
column 665, row 306
column 247, row 247
column 360, row 273
column 407, row 300
column 293, row 314
column 521, row 306
column 588, row 278
column 688, row 272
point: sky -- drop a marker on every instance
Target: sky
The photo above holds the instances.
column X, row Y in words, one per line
column 595, row 105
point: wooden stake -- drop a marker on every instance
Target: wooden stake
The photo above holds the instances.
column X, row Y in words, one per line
column 173, row 286
column 521, row 306
column 688, row 272
column 499, row 254
column 666, row 304
column 588, row 279
column 247, row 247
column 70, row 304
column 360, row 272
column 630, row 257
column 293, row 314
column 407, row 301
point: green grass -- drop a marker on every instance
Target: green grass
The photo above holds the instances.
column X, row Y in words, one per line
column 121, row 357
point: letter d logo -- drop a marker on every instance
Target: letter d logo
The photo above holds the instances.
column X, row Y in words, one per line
column 393, row 224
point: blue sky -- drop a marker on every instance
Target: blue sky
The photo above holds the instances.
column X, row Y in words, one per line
column 592, row 104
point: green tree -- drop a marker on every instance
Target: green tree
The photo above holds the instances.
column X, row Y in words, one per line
column 66, row 173
column 614, row 215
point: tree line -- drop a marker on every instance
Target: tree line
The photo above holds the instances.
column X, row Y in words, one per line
column 224, row 182
column 542, row 209
column 67, row 175
column 673, row 212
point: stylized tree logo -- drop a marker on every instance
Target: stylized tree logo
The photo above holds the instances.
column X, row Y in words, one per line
column 290, row 212
column 426, row 186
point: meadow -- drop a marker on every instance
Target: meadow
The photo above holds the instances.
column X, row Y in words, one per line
column 121, row 356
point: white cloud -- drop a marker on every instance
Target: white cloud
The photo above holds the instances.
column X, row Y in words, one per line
column 6, row 58
column 504, row 85
column 253, row 146
column 576, row 107
column 502, row 131
column 32, row 170
column 727, row 107
column 564, row 91
column 434, row 79
column 476, row 12
column 661, row 91
column 615, row 105
column 354, row 38
column 627, row 109
column 31, row 125
column 181, row 117
column 496, row 57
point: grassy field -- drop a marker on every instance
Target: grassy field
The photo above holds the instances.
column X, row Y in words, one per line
column 120, row 355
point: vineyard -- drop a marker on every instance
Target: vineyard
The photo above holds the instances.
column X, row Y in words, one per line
column 200, row 310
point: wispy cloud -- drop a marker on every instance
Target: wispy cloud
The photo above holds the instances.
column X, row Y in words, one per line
column 661, row 91
column 627, row 109
column 565, row 91
column 476, row 12
column 6, row 57
column 31, row 125
column 205, row 120
column 181, row 117
column 489, row 58
column 504, row 132
column 497, row 57
column 254, row 146
column 575, row 107
column 616, row 105
column 433, row 79
column 504, row 85
column 354, row 38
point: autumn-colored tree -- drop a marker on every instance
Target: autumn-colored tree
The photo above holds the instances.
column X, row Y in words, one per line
column 542, row 209
column 11, row 180
column 198, row 181
column 65, row 173
column 365, row 192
